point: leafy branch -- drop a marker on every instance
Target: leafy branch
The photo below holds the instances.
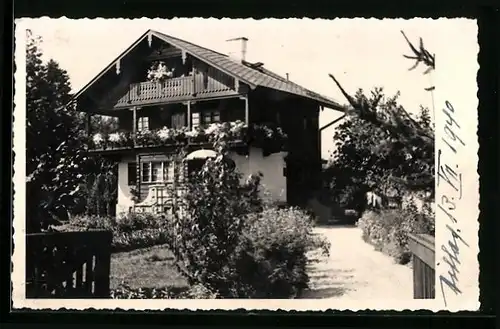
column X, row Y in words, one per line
column 395, row 119
column 399, row 132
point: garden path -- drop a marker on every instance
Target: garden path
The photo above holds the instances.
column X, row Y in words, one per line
column 355, row 270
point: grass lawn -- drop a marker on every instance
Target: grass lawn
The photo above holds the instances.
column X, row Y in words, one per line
column 149, row 267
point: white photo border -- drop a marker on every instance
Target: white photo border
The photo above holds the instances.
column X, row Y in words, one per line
column 464, row 223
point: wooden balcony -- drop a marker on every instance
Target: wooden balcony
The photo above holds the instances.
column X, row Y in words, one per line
column 177, row 89
column 237, row 134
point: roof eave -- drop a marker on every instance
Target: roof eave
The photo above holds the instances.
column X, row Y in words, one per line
column 160, row 36
column 333, row 106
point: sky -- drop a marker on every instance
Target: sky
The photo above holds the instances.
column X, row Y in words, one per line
column 361, row 53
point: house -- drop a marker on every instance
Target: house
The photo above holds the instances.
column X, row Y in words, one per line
column 163, row 89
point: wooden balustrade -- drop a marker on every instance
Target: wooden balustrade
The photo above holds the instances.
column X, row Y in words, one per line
column 423, row 254
column 212, row 83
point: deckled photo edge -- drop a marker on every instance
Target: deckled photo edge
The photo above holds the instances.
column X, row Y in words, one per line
column 468, row 231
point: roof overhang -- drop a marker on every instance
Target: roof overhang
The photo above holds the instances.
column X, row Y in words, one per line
column 169, row 40
column 321, row 100
column 110, row 66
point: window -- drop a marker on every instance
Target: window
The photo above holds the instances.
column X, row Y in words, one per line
column 132, row 173
column 143, row 123
column 146, row 172
column 211, row 116
column 154, row 172
column 207, row 118
column 195, row 119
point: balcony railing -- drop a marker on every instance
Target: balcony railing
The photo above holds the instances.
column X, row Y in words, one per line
column 260, row 135
column 175, row 89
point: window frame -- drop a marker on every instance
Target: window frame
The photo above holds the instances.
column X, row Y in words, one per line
column 201, row 117
column 211, row 114
column 198, row 118
column 162, row 175
column 142, row 122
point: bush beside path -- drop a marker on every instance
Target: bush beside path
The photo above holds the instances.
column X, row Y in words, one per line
column 355, row 270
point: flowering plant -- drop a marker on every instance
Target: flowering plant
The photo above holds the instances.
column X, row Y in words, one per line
column 270, row 137
column 116, row 139
column 147, row 138
column 159, row 72
column 262, row 135
column 165, row 134
column 98, row 139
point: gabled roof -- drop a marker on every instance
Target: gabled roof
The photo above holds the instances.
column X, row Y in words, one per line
column 254, row 76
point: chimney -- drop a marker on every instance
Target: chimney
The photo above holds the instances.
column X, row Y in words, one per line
column 238, row 48
column 287, row 77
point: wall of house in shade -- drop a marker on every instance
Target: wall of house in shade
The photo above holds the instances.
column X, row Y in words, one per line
column 273, row 181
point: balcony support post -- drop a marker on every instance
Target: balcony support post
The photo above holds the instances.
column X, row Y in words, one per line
column 193, row 76
column 189, row 115
column 134, row 124
column 247, row 110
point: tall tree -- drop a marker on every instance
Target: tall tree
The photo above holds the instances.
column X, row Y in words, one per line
column 387, row 135
column 53, row 143
column 369, row 158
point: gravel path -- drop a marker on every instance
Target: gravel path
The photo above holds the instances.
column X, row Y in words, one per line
column 355, row 270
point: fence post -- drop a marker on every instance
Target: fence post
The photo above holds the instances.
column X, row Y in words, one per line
column 423, row 255
column 102, row 266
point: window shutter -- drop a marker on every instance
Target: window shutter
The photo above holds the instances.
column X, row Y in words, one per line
column 132, row 173
column 178, row 120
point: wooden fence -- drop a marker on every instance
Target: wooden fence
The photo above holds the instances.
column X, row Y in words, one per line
column 68, row 264
column 423, row 254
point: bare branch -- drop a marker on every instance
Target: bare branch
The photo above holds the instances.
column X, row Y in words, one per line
column 421, row 55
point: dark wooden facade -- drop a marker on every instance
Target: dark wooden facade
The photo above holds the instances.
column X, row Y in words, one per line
column 299, row 119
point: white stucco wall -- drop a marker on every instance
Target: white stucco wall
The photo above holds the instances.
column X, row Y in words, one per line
column 273, row 181
column 124, row 201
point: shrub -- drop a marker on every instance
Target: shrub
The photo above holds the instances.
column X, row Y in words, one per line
column 125, row 223
column 126, row 241
column 124, row 291
column 230, row 242
column 271, row 258
column 131, row 231
column 207, row 231
column 388, row 229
